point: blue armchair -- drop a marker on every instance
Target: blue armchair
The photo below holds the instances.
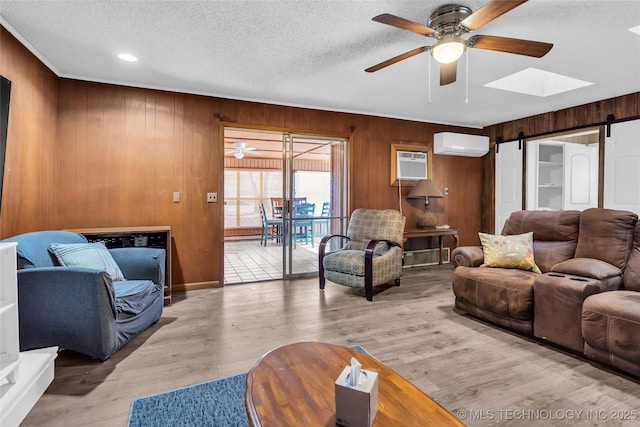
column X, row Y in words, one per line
column 82, row 309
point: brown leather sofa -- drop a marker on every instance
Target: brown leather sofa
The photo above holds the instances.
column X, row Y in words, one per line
column 505, row 296
column 583, row 259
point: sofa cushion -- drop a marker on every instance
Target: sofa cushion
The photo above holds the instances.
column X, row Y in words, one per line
column 551, row 226
column 555, row 234
column 33, row 247
column 587, row 267
column 606, row 234
column 347, row 267
column 368, row 224
column 509, row 251
column 507, row 292
column 89, row 255
column 348, row 261
column 134, row 296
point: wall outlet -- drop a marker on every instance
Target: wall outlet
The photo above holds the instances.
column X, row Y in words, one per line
column 212, row 197
column 176, row 197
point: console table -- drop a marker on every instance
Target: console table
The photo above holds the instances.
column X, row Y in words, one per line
column 295, row 385
column 411, row 233
column 122, row 237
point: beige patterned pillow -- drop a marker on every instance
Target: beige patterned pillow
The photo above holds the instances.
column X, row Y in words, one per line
column 515, row 251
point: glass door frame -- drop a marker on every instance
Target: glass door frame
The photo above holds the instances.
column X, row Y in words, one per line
column 337, row 220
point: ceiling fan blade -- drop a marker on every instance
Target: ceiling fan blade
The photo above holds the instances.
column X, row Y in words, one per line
column 396, row 59
column 249, row 149
column 448, row 73
column 510, row 45
column 489, row 12
column 405, row 24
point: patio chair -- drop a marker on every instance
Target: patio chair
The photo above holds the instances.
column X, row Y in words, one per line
column 323, row 224
column 270, row 227
column 303, row 228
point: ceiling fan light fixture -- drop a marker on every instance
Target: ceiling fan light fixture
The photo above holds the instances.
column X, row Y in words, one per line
column 238, row 155
column 448, row 49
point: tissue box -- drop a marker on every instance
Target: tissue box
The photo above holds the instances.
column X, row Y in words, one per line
column 356, row 406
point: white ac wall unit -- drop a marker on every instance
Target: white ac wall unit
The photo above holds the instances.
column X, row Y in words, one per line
column 459, row 144
column 412, row 165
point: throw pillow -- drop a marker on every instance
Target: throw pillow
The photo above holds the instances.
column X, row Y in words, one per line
column 514, row 251
column 90, row 255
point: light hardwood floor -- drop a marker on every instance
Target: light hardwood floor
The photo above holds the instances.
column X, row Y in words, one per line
column 475, row 370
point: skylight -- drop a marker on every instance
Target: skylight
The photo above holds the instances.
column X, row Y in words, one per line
column 127, row 57
column 533, row 81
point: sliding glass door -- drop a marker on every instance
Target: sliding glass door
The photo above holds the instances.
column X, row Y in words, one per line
column 282, row 193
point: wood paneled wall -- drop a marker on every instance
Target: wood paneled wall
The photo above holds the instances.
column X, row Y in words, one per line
column 30, row 191
column 99, row 155
column 124, row 151
column 583, row 115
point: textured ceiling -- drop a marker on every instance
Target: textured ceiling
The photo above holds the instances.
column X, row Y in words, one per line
column 313, row 53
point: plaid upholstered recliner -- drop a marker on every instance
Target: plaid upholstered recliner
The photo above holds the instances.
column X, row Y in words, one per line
column 372, row 254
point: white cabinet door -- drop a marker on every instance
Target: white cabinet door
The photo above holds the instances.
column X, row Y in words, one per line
column 622, row 167
column 580, row 176
column 508, row 182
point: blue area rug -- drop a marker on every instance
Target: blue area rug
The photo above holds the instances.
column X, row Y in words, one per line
column 217, row 403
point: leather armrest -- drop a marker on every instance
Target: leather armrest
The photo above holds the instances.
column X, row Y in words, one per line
column 587, row 267
column 468, row 256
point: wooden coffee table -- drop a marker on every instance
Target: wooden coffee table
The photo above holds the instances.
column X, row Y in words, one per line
column 294, row 385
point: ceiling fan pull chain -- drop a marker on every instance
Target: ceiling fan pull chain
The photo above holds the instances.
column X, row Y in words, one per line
column 429, row 77
column 466, row 101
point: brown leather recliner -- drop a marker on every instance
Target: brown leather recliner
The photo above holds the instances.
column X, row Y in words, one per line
column 611, row 320
column 604, row 243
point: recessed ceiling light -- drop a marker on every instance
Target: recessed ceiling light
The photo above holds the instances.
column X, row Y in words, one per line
column 127, row 57
column 635, row 29
column 537, row 82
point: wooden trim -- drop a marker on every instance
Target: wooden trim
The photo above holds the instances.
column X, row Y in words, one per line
column 409, row 147
column 283, row 129
column 221, row 230
column 184, row 287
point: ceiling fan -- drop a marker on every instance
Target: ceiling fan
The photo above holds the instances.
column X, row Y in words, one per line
column 240, row 148
column 448, row 23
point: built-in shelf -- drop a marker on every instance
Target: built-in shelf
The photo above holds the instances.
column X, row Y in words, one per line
column 550, row 176
column 561, row 175
column 549, row 164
